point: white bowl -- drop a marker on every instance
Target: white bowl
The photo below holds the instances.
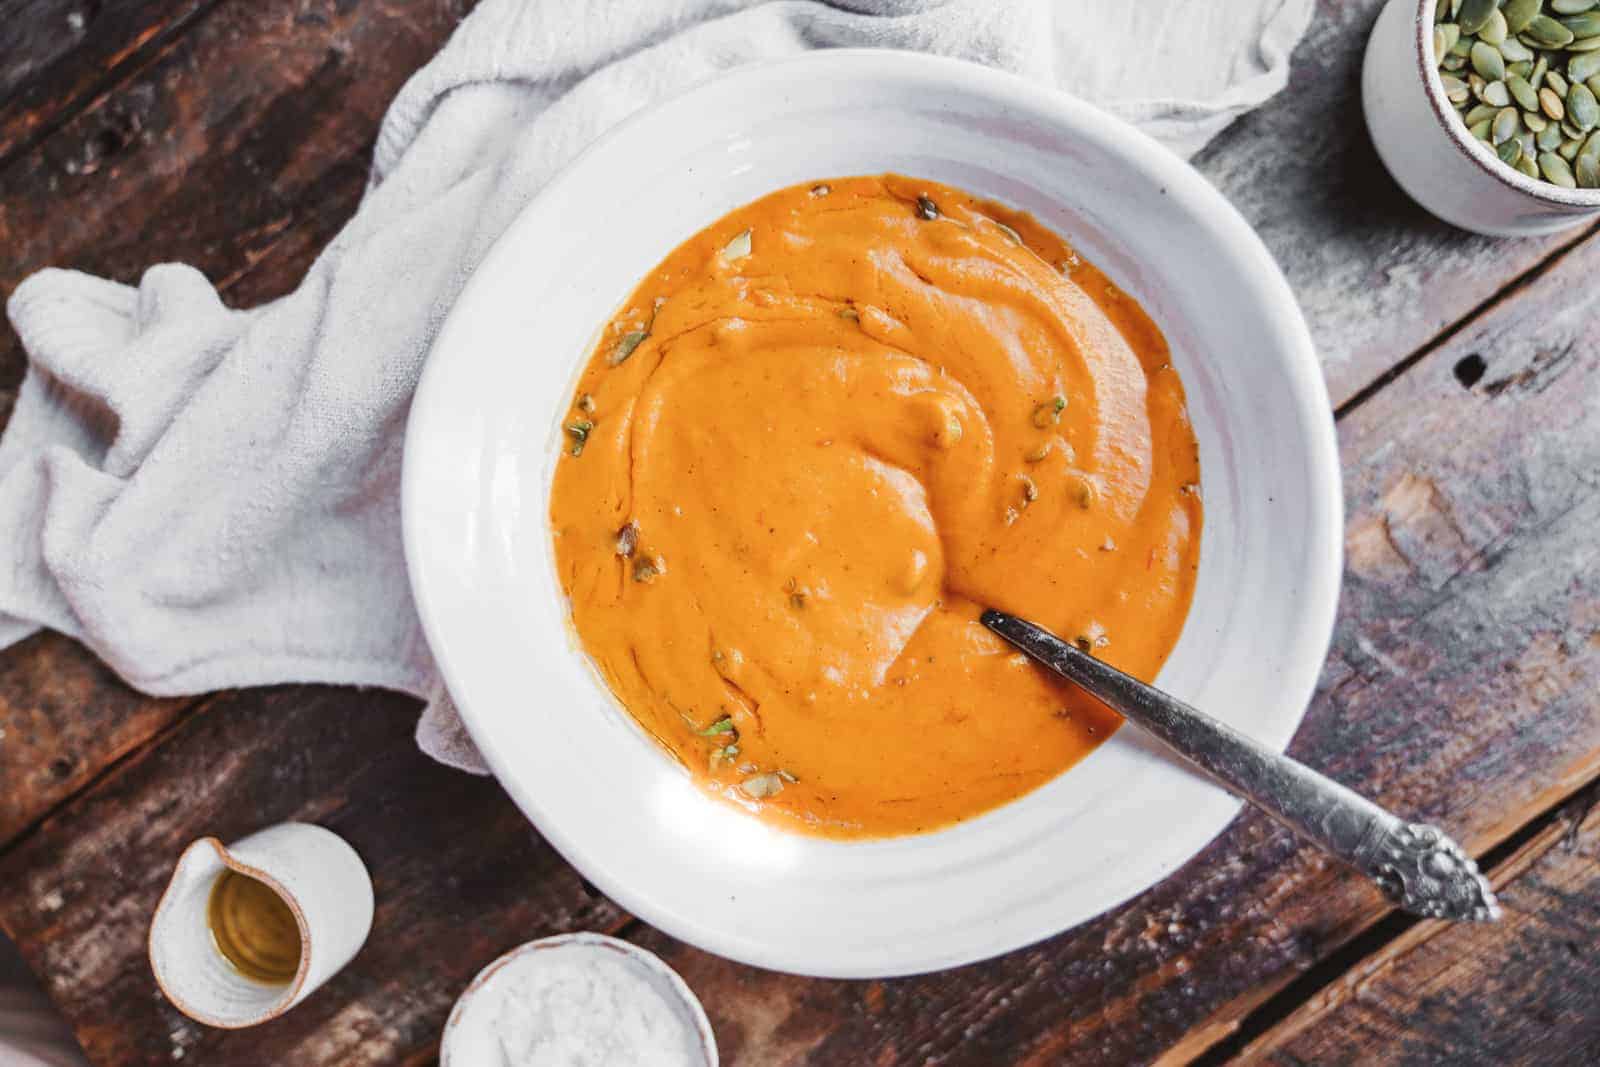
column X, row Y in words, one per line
column 485, row 434
column 469, row 1038
column 1426, row 147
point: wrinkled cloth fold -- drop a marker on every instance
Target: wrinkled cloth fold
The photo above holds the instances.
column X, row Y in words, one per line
column 209, row 497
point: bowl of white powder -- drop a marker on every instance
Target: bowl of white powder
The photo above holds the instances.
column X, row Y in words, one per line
column 583, row 1000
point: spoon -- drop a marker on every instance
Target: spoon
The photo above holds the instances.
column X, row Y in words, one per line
column 1417, row 867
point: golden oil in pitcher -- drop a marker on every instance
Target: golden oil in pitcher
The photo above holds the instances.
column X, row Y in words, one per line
column 254, row 928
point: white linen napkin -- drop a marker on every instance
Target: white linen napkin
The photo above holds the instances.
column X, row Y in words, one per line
column 208, row 498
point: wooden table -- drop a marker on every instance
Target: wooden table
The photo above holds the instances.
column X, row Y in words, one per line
column 1461, row 687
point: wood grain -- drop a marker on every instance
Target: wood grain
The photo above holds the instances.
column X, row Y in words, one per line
column 56, row 55
column 459, row 877
column 260, row 115
column 63, row 717
column 1519, row 991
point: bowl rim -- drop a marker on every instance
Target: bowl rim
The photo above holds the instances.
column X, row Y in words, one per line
column 1305, row 390
column 1469, row 146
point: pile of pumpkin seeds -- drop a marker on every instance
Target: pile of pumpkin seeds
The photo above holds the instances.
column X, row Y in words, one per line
column 1525, row 77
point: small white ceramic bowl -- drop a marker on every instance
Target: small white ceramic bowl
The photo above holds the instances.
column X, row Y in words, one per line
column 469, row 1038
column 485, row 435
column 1428, row 150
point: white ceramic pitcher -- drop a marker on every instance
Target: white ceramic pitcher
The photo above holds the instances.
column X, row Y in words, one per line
column 313, row 870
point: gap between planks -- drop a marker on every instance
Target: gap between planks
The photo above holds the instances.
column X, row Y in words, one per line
column 1280, row 1009
column 133, row 61
column 1438, row 340
column 183, row 714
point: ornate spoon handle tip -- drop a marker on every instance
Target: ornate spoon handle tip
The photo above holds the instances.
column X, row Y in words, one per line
column 1416, row 865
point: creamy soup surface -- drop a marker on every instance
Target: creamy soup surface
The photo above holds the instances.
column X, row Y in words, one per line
column 814, row 443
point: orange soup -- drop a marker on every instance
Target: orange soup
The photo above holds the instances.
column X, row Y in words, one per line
column 822, row 436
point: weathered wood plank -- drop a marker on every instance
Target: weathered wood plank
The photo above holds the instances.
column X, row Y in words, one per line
column 1519, row 991
column 1462, row 687
column 276, row 103
column 460, row 876
column 56, row 54
column 1376, row 275
column 63, row 717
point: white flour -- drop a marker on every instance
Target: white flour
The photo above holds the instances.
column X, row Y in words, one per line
column 579, row 1004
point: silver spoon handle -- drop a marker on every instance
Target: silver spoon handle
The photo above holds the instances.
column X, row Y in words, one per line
column 1415, row 864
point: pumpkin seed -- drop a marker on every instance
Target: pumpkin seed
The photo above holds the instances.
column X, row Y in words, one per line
column 1480, row 129
column 1586, row 45
column 1462, row 47
column 1518, row 13
column 1550, row 103
column 1592, row 146
column 1535, row 121
column 1527, row 99
column 1442, row 41
column 1569, row 149
column 737, row 248
column 927, row 209
column 1585, row 25
column 625, row 346
column 1540, row 67
column 1477, row 84
column 1569, row 130
column 1509, row 151
column 1529, row 149
column 1048, row 413
column 1584, row 66
column 1594, row 85
column 1571, row 7
column 1506, row 125
column 1521, row 70
column 1586, row 171
column 1494, row 31
column 1455, row 63
column 1488, row 62
column 762, row 785
column 1479, row 113
column 627, row 539
column 1527, row 167
column 721, row 726
column 1455, row 90
column 1496, row 94
column 1550, row 137
column 1515, row 51
column 1545, row 32
column 579, row 432
column 1474, row 15
column 1556, row 171
column 1555, row 81
column 1582, row 107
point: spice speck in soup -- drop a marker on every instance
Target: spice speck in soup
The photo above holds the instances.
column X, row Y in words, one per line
column 1524, row 77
